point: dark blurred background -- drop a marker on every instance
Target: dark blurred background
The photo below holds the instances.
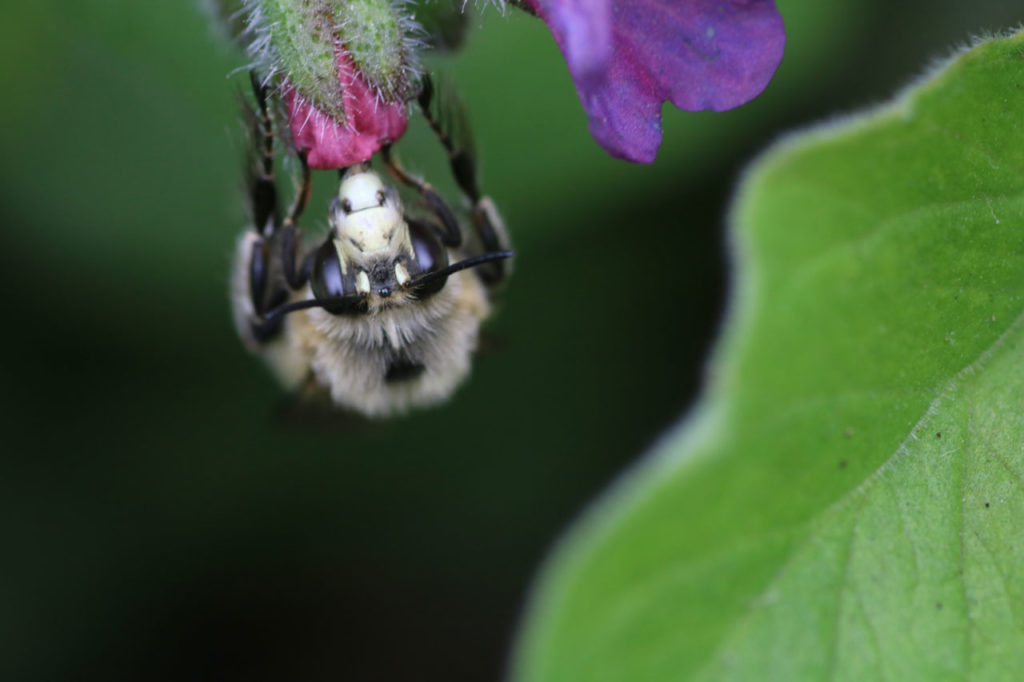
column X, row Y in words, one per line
column 167, row 515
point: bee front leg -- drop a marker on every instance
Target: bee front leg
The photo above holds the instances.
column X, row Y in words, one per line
column 272, row 281
column 265, row 271
column 451, row 126
column 260, row 181
column 491, row 229
column 289, row 235
column 449, row 231
column 252, row 291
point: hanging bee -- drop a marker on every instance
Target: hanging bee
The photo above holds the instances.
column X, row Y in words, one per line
column 385, row 313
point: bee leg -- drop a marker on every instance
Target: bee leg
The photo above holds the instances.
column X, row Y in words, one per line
column 302, row 192
column 271, row 246
column 289, row 234
column 265, row 290
column 452, row 129
column 448, row 230
column 261, row 183
column 262, row 195
column 279, row 235
column 254, row 290
column 493, row 237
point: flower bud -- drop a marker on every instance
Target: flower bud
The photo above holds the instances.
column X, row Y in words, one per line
column 347, row 68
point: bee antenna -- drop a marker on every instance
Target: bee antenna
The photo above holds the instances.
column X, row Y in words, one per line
column 455, row 267
column 282, row 310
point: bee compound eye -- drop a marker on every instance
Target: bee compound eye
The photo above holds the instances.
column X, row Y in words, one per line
column 430, row 256
column 430, row 252
column 328, row 281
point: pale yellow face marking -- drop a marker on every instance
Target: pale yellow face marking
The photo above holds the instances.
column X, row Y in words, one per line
column 401, row 274
column 362, row 282
column 341, row 257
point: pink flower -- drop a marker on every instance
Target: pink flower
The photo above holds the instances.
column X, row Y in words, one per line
column 626, row 57
column 368, row 122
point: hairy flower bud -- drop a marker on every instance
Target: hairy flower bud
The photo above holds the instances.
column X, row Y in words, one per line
column 367, row 125
column 346, row 68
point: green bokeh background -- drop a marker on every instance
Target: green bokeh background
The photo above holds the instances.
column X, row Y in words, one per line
column 168, row 515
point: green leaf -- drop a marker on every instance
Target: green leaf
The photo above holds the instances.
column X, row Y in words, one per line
column 846, row 502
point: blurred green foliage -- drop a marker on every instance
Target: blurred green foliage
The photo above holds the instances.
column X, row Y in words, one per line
column 845, row 503
column 169, row 516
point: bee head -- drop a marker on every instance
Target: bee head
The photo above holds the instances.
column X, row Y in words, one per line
column 371, row 236
column 367, row 219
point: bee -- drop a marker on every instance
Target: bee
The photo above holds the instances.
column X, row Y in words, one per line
column 384, row 314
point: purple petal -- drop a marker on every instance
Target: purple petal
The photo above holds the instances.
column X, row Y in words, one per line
column 583, row 31
column 698, row 54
